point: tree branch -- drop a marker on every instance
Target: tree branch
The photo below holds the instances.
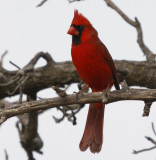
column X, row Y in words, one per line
column 149, row 139
column 41, row 3
column 64, row 73
column 71, row 1
column 2, row 57
column 150, row 56
column 131, row 94
column 143, row 150
column 57, row 74
column 28, row 132
column 6, row 155
column 69, row 111
column 153, row 128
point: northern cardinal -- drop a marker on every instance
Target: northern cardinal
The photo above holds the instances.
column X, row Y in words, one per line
column 96, row 68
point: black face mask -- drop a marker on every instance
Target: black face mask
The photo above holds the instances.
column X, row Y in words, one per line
column 77, row 39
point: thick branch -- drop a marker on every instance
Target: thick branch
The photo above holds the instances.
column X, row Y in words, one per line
column 29, row 137
column 60, row 74
column 57, row 74
column 131, row 94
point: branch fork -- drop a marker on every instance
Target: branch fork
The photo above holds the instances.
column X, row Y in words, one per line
column 150, row 56
column 149, row 139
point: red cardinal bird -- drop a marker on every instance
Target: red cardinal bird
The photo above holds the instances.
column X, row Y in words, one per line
column 96, row 68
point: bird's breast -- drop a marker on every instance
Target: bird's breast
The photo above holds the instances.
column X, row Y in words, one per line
column 91, row 66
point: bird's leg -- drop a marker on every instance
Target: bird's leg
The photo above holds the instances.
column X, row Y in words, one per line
column 82, row 90
column 85, row 88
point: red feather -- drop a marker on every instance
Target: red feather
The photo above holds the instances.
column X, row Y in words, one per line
column 96, row 68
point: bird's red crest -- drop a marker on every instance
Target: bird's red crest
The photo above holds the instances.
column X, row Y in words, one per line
column 79, row 19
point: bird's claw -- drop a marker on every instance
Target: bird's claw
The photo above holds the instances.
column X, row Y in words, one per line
column 81, row 91
column 78, row 93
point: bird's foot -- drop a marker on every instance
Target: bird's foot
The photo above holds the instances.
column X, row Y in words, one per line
column 82, row 90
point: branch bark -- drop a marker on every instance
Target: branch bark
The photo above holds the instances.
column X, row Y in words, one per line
column 57, row 74
column 108, row 97
column 63, row 73
column 28, row 132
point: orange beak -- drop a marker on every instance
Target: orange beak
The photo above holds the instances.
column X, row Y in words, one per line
column 73, row 31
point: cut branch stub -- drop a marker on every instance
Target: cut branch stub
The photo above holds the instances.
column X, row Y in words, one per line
column 59, row 91
column 147, row 109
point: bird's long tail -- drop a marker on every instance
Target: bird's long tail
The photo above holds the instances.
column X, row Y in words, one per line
column 93, row 133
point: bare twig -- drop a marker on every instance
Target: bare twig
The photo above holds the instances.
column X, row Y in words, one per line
column 15, row 65
column 4, row 54
column 74, row 109
column 150, row 56
column 143, row 150
column 71, row 1
column 58, row 120
column 6, row 155
column 59, row 91
column 41, row 3
column 149, row 139
column 22, row 81
column 1, row 58
column 153, row 128
column 21, row 94
column 15, row 79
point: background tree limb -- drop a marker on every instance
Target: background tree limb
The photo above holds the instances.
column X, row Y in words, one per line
column 150, row 56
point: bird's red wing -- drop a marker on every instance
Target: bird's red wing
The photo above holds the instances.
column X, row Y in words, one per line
column 110, row 61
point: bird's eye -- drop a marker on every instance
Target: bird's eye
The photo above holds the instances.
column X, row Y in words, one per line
column 81, row 27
